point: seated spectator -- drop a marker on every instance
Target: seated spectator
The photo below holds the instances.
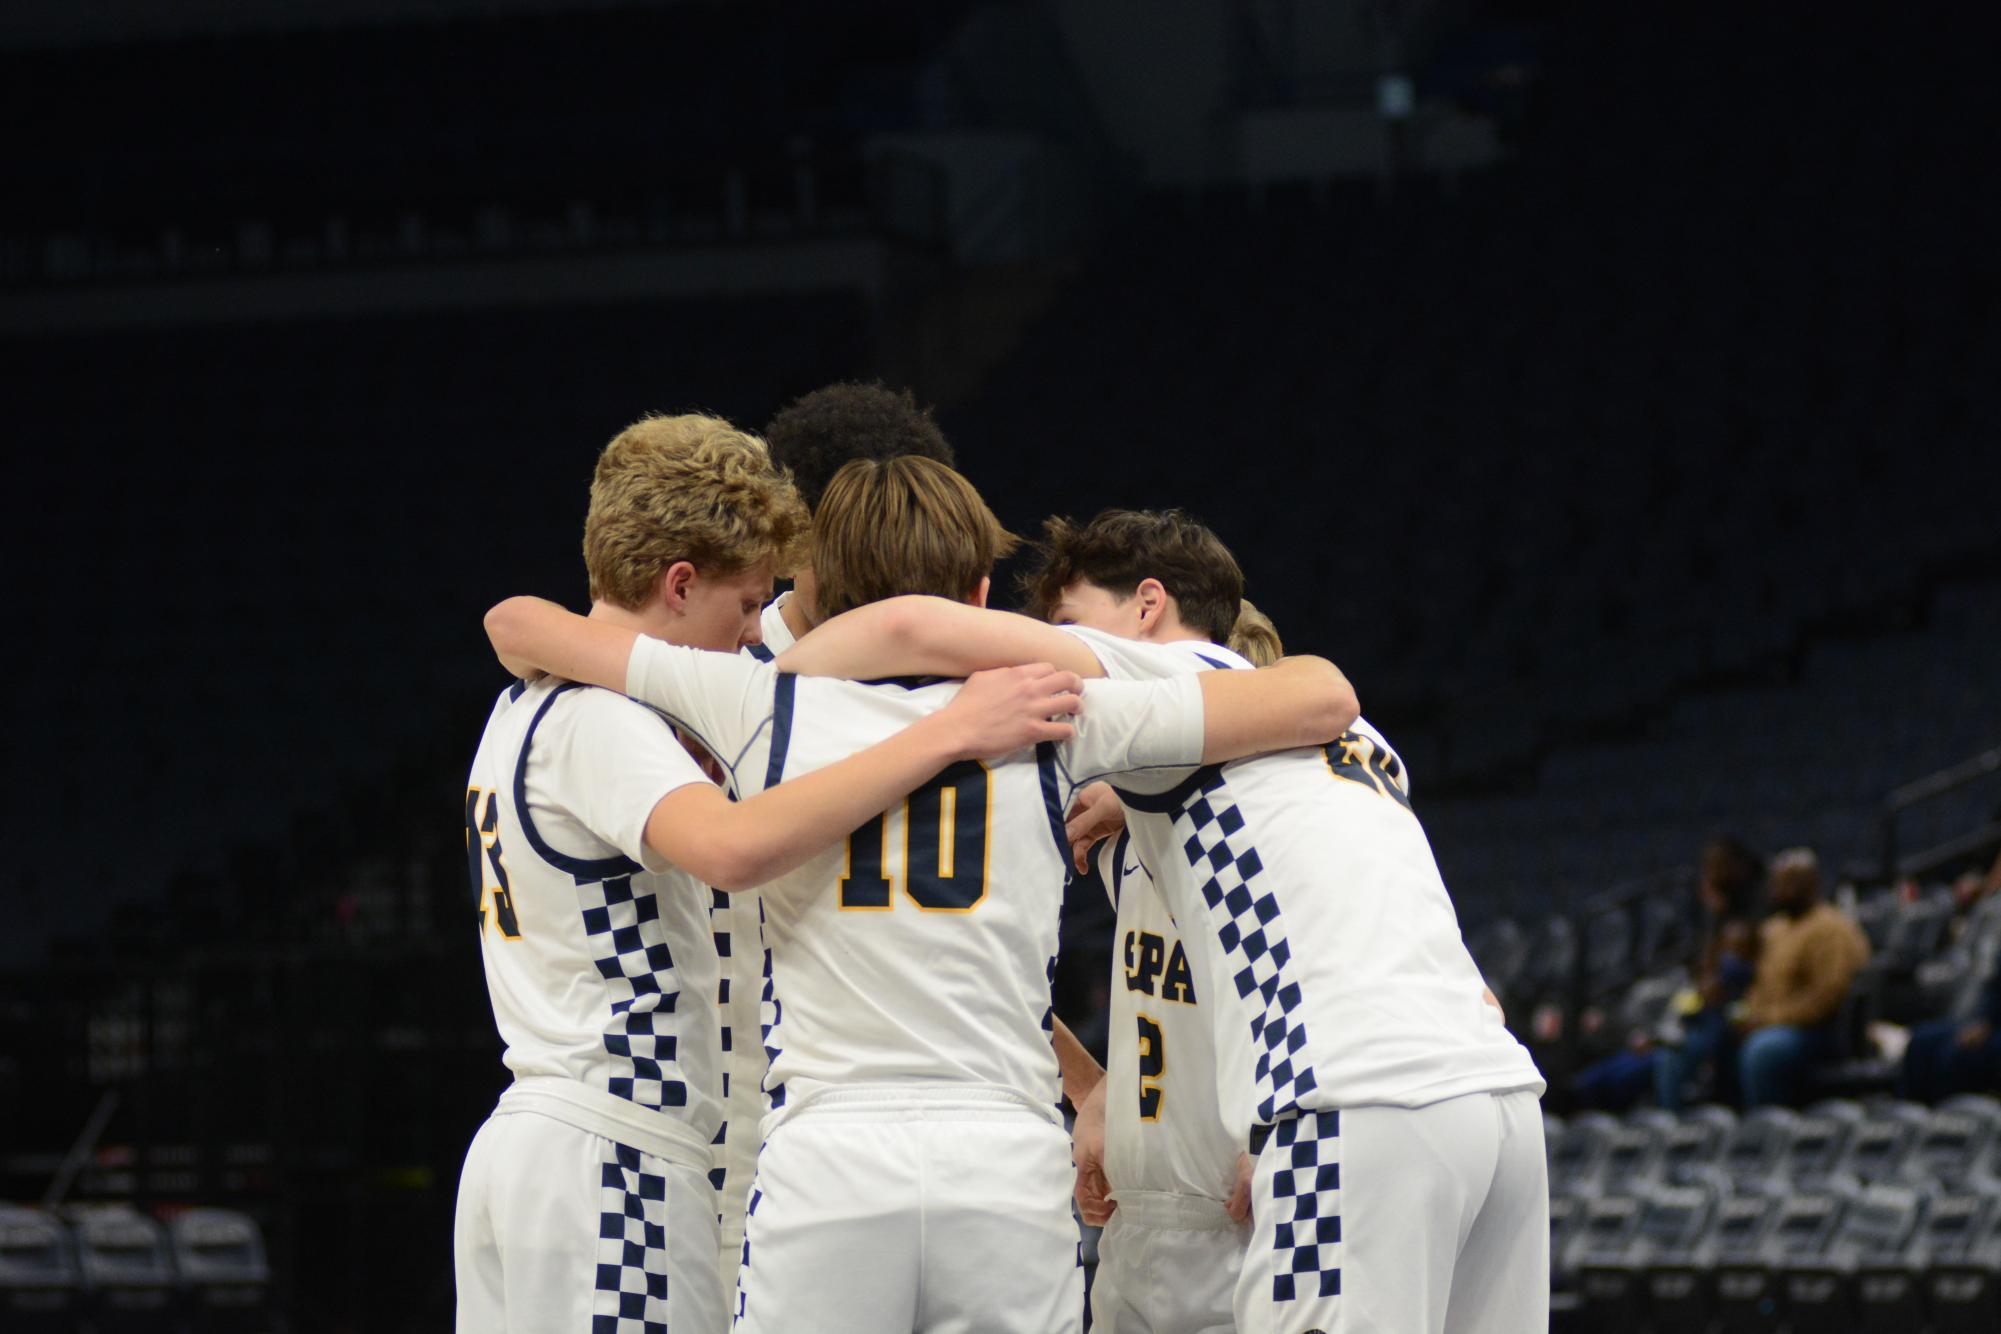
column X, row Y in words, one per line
column 1662, row 1058
column 1959, row 1055
column 1719, row 974
column 1808, row 955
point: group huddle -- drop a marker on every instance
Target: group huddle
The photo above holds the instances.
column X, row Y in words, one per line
column 768, row 906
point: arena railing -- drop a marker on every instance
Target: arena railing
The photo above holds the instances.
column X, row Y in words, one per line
column 1892, row 864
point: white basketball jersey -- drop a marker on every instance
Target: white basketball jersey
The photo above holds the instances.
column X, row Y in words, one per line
column 598, row 955
column 1163, row 1125
column 920, row 948
column 1328, row 924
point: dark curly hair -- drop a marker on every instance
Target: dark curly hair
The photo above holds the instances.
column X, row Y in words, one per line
column 1120, row 548
column 822, row 432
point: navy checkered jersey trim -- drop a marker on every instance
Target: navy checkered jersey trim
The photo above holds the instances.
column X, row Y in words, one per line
column 1243, row 910
column 585, row 869
column 1171, row 801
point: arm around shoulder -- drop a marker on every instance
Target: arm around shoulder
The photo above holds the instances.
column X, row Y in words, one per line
column 1301, row 701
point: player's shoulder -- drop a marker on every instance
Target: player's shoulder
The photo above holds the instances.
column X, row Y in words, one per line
column 1141, row 660
column 571, row 708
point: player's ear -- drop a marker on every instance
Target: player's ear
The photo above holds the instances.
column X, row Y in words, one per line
column 979, row 597
column 675, row 581
column 1152, row 595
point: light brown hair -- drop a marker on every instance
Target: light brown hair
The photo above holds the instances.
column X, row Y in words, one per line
column 1254, row 637
column 691, row 488
column 887, row 527
column 1120, row 548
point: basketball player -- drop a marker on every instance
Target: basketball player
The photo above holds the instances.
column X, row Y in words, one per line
column 812, row 438
column 816, row 436
column 1156, row 1168
column 1398, row 1174
column 590, row 831
column 914, row 1174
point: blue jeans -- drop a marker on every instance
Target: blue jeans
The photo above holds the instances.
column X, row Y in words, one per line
column 1936, row 1066
column 1616, row 1082
column 1706, row 1037
column 1774, row 1062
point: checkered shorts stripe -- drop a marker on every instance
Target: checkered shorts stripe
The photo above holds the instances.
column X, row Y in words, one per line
column 743, row 1261
column 770, row 1014
column 632, row 957
column 1306, row 1203
column 1244, row 912
column 631, row 1296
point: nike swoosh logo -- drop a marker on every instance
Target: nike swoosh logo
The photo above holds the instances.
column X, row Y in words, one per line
column 1131, row 869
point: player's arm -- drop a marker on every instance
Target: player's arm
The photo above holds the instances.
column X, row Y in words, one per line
column 1157, row 727
column 1081, row 1071
column 736, row 845
column 531, row 635
column 1302, row 701
column 1298, row 702
column 931, row 636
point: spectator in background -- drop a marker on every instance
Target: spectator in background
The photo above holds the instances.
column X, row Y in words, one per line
column 1960, row 1055
column 1726, row 887
column 1808, row 955
column 1719, row 975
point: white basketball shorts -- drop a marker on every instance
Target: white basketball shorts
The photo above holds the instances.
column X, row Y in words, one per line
column 561, row 1229
column 1391, row 1220
column 893, row 1208
column 1167, row 1264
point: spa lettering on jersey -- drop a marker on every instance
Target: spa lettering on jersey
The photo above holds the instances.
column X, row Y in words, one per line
column 1156, row 966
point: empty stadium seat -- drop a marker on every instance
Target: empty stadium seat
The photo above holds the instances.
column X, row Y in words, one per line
column 1823, row 1293
column 1958, row 1253
column 1617, row 1279
column 1879, row 1145
column 41, row 1286
column 219, row 1254
column 1756, row 1147
column 1577, row 1155
column 128, row 1270
column 1819, row 1140
column 1953, row 1140
column 1691, row 1149
column 1748, row 1287
column 1734, row 1242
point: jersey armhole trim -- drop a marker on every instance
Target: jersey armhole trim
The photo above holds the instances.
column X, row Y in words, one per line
column 782, row 696
column 1052, row 800
column 586, row 869
column 1172, row 800
column 1119, row 846
column 760, row 652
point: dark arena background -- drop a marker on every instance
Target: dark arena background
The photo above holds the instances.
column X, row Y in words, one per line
column 1613, row 390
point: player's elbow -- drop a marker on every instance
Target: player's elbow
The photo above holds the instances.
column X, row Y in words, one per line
column 902, row 623
column 504, row 624
column 1335, row 706
column 736, row 864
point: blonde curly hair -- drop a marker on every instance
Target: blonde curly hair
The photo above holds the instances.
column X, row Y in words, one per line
column 691, row 487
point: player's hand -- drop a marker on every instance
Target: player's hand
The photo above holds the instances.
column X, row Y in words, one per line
column 1239, row 1203
column 1096, row 815
column 1487, row 995
column 1011, row 708
column 1087, row 1144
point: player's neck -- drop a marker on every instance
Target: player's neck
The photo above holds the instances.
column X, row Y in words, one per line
column 792, row 611
column 1169, row 629
column 652, row 619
